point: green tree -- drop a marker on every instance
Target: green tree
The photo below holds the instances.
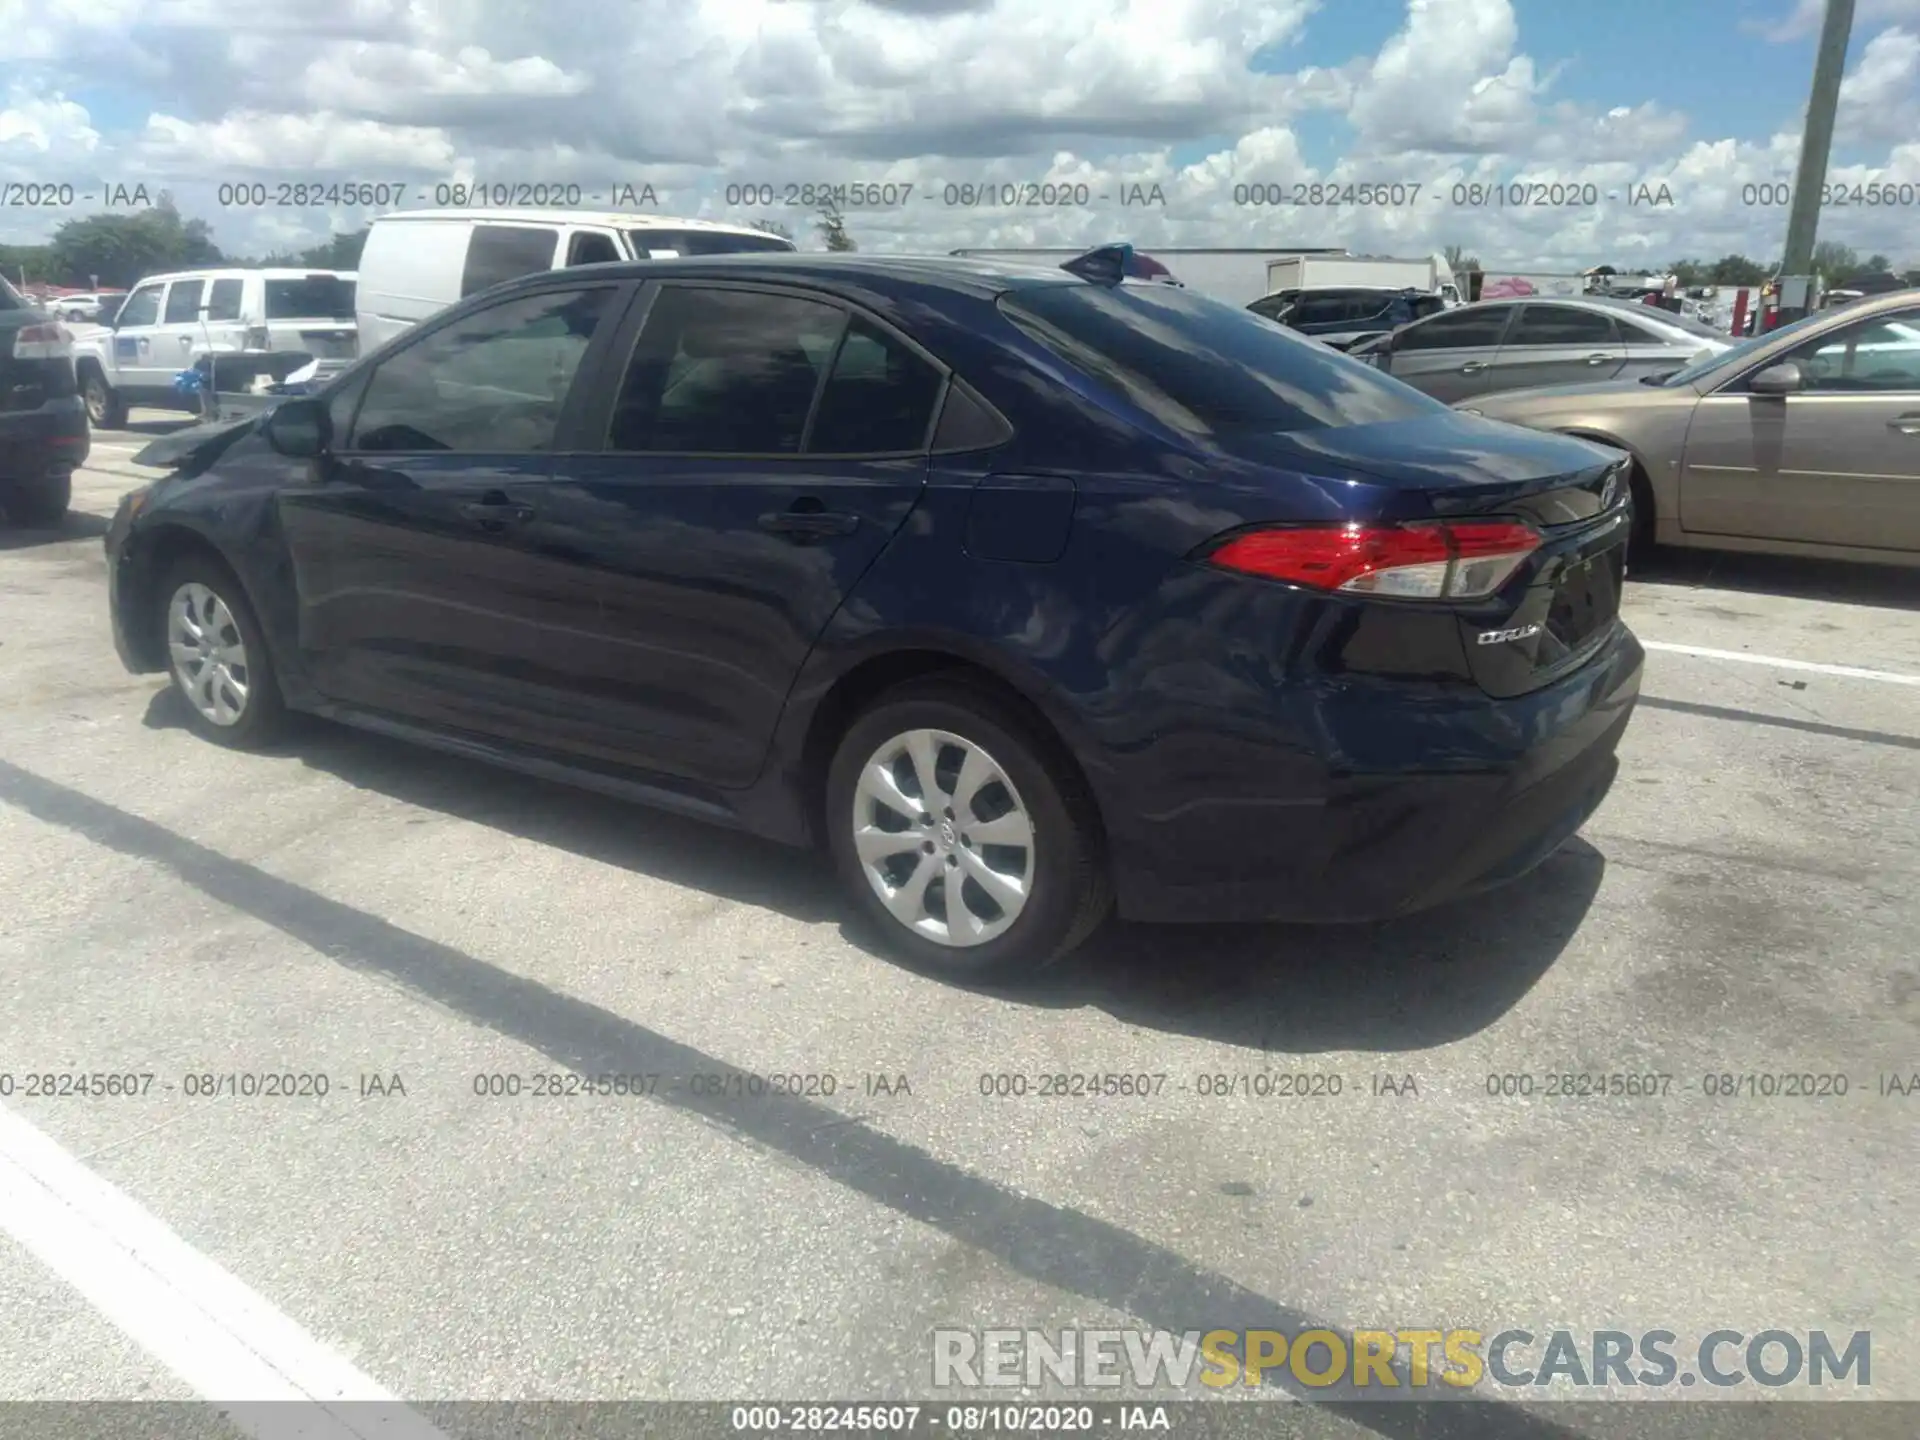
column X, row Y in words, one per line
column 770, row 227
column 124, row 249
column 1689, row 273
column 1876, row 264
column 832, row 227
column 1737, row 270
column 26, row 264
column 1833, row 261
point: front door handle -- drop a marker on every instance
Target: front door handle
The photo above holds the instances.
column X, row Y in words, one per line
column 496, row 513
column 809, row 523
column 1905, row 424
column 1473, row 367
column 1598, row 359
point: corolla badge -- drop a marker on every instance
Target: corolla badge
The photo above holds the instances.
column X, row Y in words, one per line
column 1500, row 637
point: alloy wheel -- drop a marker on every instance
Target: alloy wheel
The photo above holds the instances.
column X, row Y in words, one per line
column 943, row 837
column 209, row 655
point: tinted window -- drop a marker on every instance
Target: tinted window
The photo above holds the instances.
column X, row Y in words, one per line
column 310, row 297
column 224, row 303
column 704, row 242
column 496, row 253
column 1200, row 365
column 1879, row 355
column 1425, row 305
column 1457, row 329
column 1562, row 325
column 719, row 372
column 493, row 382
column 142, row 307
column 588, row 247
column 967, row 423
column 879, row 397
column 183, row 301
column 1322, row 310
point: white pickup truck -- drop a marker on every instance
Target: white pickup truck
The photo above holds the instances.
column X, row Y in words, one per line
column 240, row 324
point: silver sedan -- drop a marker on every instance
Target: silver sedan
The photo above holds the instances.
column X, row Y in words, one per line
column 1515, row 344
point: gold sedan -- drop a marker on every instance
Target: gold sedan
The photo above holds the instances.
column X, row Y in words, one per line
column 1802, row 441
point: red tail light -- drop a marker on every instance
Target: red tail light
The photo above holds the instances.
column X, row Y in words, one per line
column 1401, row 562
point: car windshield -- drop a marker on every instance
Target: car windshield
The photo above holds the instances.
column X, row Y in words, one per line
column 705, row 242
column 1706, row 364
column 311, row 297
column 1201, row 365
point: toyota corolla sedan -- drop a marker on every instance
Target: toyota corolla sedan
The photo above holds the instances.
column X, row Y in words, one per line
column 1028, row 594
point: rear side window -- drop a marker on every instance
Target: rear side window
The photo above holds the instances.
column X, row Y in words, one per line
column 183, row 302
column 1456, row 330
column 497, row 253
column 704, row 242
column 878, row 400
column 724, row 372
column 1201, row 365
column 224, row 301
column 1562, row 325
column 310, row 297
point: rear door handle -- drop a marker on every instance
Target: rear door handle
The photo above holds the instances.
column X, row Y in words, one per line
column 1598, row 359
column 492, row 514
column 1905, row 424
column 809, row 522
column 1473, row 367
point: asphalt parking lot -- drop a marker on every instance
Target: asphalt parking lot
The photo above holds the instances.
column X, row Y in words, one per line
column 1745, row 903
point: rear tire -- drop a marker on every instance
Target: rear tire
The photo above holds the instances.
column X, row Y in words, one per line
column 40, row 504
column 104, row 408
column 991, row 868
column 217, row 657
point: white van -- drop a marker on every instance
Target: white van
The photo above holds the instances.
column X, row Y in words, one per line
column 417, row 262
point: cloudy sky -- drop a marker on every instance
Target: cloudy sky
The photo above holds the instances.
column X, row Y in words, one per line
column 1107, row 98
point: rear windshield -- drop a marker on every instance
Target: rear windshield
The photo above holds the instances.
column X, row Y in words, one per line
column 1201, row 365
column 704, row 242
column 311, row 297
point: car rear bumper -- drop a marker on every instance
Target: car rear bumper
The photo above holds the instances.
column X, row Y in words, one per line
column 49, row 440
column 1334, row 845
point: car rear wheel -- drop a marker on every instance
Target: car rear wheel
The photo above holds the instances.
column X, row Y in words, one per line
column 39, row 504
column 964, row 835
column 104, row 410
column 217, row 657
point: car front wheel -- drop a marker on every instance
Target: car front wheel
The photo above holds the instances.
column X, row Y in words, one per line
column 217, row 657
column 964, row 835
column 104, row 410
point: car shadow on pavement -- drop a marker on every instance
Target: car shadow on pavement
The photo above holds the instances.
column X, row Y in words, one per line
column 74, row 525
column 1404, row 985
column 1840, row 582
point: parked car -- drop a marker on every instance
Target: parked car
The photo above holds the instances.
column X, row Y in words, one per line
column 1021, row 590
column 1509, row 344
column 418, row 262
column 86, row 309
column 168, row 322
column 1801, row 441
column 1343, row 317
column 43, row 427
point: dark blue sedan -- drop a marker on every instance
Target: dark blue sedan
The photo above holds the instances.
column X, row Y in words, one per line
column 1026, row 592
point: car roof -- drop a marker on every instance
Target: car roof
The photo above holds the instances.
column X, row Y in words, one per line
column 981, row 278
column 613, row 219
column 267, row 272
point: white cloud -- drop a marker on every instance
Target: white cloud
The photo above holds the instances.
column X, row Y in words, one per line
column 1803, row 20
column 691, row 95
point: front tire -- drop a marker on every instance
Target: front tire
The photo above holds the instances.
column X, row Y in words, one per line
column 964, row 834
column 104, row 408
column 217, row 657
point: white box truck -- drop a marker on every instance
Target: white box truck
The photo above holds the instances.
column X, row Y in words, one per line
column 1340, row 272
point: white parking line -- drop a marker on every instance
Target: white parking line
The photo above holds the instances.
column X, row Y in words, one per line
column 231, row 1345
column 1850, row 672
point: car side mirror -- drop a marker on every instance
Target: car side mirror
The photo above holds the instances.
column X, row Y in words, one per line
column 1783, row 379
column 300, row 429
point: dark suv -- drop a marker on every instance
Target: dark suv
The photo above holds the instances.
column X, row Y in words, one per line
column 1343, row 317
column 43, row 425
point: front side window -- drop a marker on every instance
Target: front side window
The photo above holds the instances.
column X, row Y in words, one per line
column 1203, row 366
column 494, row 382
column 1469, row 329
column 592, row 247
column 183, row 301
column 724, row 372
column 142, row 307
column 663, row 243
column 1879, row 355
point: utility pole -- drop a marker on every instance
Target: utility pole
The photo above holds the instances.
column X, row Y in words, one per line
column 1816, row 140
